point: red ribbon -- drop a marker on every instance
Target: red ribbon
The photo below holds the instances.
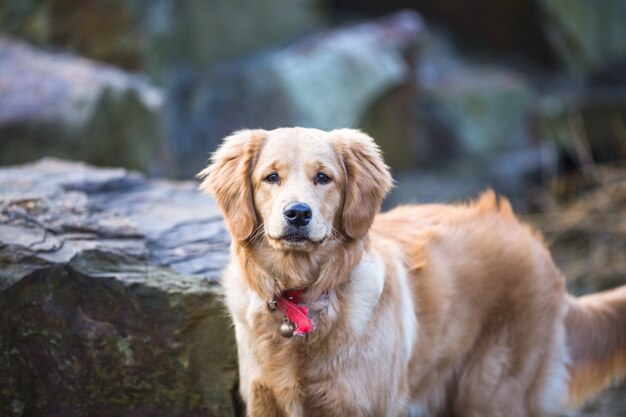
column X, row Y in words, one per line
column 291, row 304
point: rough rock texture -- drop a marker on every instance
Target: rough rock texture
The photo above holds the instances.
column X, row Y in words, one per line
column 108, row 293
column 55, row 104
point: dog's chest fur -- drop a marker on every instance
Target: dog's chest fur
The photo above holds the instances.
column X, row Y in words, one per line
column 330, row 371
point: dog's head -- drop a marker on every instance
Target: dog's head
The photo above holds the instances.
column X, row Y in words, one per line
column 297, row 188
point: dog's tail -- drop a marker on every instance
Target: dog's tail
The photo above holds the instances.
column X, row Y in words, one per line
column 596, row 337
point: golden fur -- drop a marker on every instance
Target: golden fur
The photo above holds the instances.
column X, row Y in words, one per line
column 434, row 310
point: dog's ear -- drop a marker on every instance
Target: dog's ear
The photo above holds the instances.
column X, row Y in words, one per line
column 228, row 178
column 367, row 180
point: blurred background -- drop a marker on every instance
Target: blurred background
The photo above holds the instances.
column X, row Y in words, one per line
column 466, row 94
column 525, row 96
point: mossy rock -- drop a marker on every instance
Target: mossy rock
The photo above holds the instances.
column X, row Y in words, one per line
column 110, row 304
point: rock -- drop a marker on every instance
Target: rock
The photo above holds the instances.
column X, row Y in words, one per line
column 54, row 104
column 590, row 37
column 195, row 35
column 485, row 107
column 393, row 121
column 109, row 295
column 325, row 81
column 471, row 128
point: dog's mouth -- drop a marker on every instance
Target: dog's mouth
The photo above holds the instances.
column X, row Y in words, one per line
column 294, row 237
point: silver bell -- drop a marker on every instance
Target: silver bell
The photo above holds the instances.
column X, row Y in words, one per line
column 287, row 329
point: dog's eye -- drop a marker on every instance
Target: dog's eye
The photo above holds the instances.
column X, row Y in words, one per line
column 272, row 178
column 321, row 178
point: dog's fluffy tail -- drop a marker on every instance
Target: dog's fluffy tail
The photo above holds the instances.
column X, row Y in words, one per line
column 596, row 336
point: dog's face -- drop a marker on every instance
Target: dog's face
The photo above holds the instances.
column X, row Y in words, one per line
column 298, row 188
column 298, row 182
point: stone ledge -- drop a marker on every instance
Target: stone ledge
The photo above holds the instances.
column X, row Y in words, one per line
column 109, row 294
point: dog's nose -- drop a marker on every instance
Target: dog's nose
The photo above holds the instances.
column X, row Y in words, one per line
column 298, row 214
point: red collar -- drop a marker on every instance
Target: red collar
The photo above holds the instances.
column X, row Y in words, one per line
column 291, row 304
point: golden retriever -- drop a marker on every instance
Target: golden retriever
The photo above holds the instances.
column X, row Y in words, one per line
column 426, row 310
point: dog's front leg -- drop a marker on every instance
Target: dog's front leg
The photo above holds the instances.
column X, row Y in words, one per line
column 264, row 402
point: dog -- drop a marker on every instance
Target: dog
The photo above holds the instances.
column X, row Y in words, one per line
column 425, row 310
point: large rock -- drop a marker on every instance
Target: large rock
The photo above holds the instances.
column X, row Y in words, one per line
column 54, row 104
column 471, row 128
column 485, row 106
column 109, row 296
column 325, row 81
column 196, row 35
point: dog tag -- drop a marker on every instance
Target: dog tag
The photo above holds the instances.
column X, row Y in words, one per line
column 287, row 328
